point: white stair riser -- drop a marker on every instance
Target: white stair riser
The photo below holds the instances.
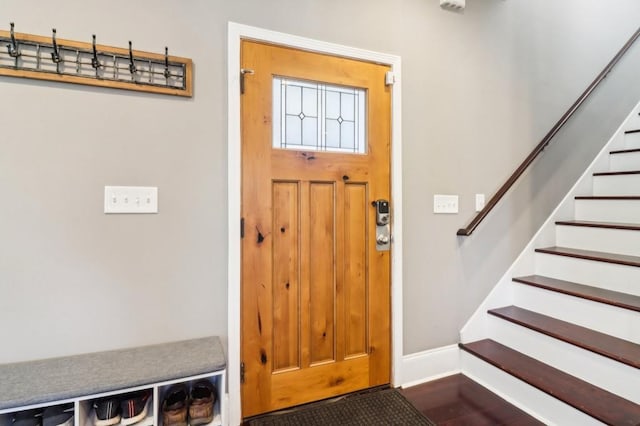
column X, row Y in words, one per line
column 546, row 408
column 632, row 140
column 616, row 185
column 633, row 122
column 606, row 373
column 624, row 162
column 611, row 276
column 626, row 211
column 620, row 323
column 599, row 239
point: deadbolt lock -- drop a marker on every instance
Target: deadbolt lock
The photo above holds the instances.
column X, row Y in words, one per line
column 383, row 225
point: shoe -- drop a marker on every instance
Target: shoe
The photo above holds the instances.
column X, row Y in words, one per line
column 134, row 406
column 175, row 406
column 203, row 397
column 107, row 411
column 58, row 415
column 27, row 418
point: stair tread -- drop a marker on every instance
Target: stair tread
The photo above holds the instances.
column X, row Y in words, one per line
column 603, row 344
column 619, row 173
column 608, row 197
column 625, row 151
column 591, row 400
column 608, row 225
column 601, row 295
column 598, row 256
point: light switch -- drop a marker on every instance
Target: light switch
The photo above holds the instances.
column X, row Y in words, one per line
column 445, row 204
column 131, row 199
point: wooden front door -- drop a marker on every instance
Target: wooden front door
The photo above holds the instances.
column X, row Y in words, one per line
column 315, row 296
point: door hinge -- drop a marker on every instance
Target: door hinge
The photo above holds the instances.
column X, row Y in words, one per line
column 242, row 372
column 242, row 227
column 243, row 72
column 389, row 78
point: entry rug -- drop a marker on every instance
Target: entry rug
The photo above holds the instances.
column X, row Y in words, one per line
column 377, row 408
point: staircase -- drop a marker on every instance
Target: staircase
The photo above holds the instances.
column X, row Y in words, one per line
column 559, row 336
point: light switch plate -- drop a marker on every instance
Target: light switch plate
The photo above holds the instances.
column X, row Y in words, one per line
column 131, row 199
column 445, row 204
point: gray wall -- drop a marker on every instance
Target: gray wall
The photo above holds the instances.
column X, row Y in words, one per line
column 480, row 89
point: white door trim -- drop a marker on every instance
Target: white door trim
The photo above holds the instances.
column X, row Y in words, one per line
column 236, row 33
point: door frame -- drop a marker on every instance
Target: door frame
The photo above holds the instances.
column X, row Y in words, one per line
column 236, row 33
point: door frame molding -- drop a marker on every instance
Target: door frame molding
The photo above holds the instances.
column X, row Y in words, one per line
column 236, row 33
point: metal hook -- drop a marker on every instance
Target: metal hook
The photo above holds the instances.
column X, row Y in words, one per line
column 166, row 73
column 95, row 63
column 132, row 66
column 13, row 47
column 55, row 55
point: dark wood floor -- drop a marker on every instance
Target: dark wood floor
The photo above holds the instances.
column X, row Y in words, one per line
column 458, row 400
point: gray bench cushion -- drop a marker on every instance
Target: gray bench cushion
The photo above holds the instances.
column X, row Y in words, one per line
column 42, row 381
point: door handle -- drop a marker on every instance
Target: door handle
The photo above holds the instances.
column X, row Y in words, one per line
column 383, row 225
column 382, row 239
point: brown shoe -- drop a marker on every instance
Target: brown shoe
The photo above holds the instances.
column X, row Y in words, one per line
column 203, row 398
column 174, row 406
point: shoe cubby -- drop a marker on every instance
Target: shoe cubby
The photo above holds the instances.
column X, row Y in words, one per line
column 37, row 394
column 194, row 402
column 133, row 407
column 7, row 419
column 58, row 414
column 125, row 407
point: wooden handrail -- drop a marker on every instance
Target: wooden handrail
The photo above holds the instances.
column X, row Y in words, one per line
column 545, row 141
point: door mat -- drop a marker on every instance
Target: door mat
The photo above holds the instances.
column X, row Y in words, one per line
column 377, row 408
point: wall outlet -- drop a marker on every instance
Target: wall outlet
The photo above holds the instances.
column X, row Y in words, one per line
column 131, row 199
column 445, row 204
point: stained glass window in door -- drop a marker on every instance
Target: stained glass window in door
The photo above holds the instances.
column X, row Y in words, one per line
column 318, row 117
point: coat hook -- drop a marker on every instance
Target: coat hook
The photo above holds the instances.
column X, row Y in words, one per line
column 95, row 63
column 13, row 47
column 167, row 74
column 132, row 66
column 55, row 55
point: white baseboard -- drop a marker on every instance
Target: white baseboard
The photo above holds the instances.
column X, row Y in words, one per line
column 430, row 365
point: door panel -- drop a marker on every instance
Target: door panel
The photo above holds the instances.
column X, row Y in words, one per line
column 322, row 274
column 286, row 266
column 315, row 296
column 294, row 388
column 355, row 268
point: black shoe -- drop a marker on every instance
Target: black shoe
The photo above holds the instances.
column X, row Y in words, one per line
column 134, row 406
column 27, row 418
column 107, row 411
column 58, row 415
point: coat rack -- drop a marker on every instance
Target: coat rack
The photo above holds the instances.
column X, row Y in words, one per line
column 53, row 59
